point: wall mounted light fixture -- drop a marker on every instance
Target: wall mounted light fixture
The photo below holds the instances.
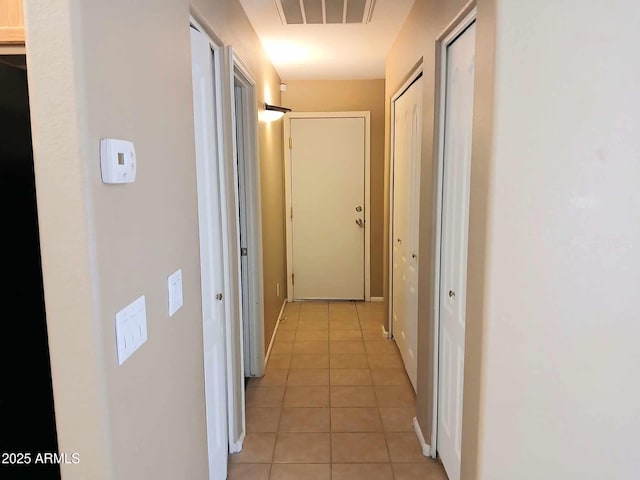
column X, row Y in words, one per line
column 273, row 112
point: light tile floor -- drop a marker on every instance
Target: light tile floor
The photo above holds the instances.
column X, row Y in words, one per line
column 335, row 403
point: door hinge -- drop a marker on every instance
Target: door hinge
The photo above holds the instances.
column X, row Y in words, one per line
column 292, row 213
column 290, row 144
column 293, row 279
column 243, row 252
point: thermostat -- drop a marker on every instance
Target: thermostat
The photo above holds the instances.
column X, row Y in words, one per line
column 117, row 161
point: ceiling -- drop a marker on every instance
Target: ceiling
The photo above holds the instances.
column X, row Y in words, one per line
column 332, row 51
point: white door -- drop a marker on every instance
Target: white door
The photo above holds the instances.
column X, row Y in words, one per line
column 406, row 211
column 458, row 114
column 328, row 202
column 211, row 257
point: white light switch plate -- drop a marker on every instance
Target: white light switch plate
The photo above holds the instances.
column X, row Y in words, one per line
column 131, row 328
column 174, row 285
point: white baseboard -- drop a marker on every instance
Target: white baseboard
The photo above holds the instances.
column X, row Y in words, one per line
column 236, row 447
column 275, row 331
column 426, row 449
column 377, row 299
column 385, row 333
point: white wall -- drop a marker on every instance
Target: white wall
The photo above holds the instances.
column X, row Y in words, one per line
column 561, row 382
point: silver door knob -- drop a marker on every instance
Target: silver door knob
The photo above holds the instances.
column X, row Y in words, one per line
column 219, row 297
column 414, row 256
column 452, row 294
column 360, row 222
column 358, row 208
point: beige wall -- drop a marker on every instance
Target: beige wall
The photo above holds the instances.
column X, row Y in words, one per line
column 352, row 95
column 122, row 69
column 553, row 234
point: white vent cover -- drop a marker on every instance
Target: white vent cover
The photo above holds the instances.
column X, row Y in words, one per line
column 301, row 12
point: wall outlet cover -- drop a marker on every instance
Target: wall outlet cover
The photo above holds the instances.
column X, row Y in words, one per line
column 174, row 286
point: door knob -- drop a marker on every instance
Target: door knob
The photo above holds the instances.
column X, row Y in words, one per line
column 399, row 241
column 414, row 256
column 358, row 208
column 219, row 297
column 360, row 222
column 452, row 294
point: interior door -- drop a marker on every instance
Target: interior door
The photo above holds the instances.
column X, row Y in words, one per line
column 460, row 56
column 406, row 211
column 211, row 256
column 328, row 202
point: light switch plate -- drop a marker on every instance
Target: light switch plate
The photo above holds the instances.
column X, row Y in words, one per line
column 131, row 328
column 174, row 286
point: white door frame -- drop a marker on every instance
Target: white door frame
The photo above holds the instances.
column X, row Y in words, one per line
column 415, row 74
column 205, row 179
column 367, row 192
column 446, row 38
column 248, row 174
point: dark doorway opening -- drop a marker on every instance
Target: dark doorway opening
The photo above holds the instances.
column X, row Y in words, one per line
column 27, row 420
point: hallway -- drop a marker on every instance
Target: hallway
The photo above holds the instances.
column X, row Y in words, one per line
column 335, row 403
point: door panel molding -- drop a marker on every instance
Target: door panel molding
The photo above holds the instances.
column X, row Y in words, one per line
column 288, row 192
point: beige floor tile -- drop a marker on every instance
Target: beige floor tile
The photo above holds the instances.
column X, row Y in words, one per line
column 303, row 448
column 248, row 471
column 308, row 376
column 385, row 360
column 405, row 448
column 312, row 335
column 348, row 360
column 355, row 420
column 353, row 396
column 263, row 419
column 431, row 470
column 389, row 376
column 350, row 376
column 343, row 316
column 314, row 307
column 344, row 324
column 306, row 396
column 347, row 347
column 279, row 361
column 358, row 448
column 361, row 471
column 257, row 448
column 281, row 348
column 264, row 396
column 313, row 325
column 310, row 361
column 305, row 420
column 272, row 377
column 369, row 324
column 310, row 347
column 397, row 419
column 381, row 346
column 310, row 471
column 395, row 396
column 285, row 335
column 342, row 307
column 373, row 334
column 345, row 335
column 288, row 324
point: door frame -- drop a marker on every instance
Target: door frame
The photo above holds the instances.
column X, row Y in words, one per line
column 367, row 192
column 415, row 74
column 205, row 179
column 463, row 20
column 247, row 174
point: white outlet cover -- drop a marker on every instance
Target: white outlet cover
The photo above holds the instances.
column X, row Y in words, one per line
column 131, row 328
column 174, row 287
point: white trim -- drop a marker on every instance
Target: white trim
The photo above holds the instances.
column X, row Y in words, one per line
column 236, row 447
column 253, row 288
column 446, row 38
column 385, row 333
column 413, row 76
column 367, row 192
column 377, row 299
column 275, row 331
column 426, row 448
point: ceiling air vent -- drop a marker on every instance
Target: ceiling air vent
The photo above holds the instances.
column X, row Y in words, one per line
column 308, row 12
